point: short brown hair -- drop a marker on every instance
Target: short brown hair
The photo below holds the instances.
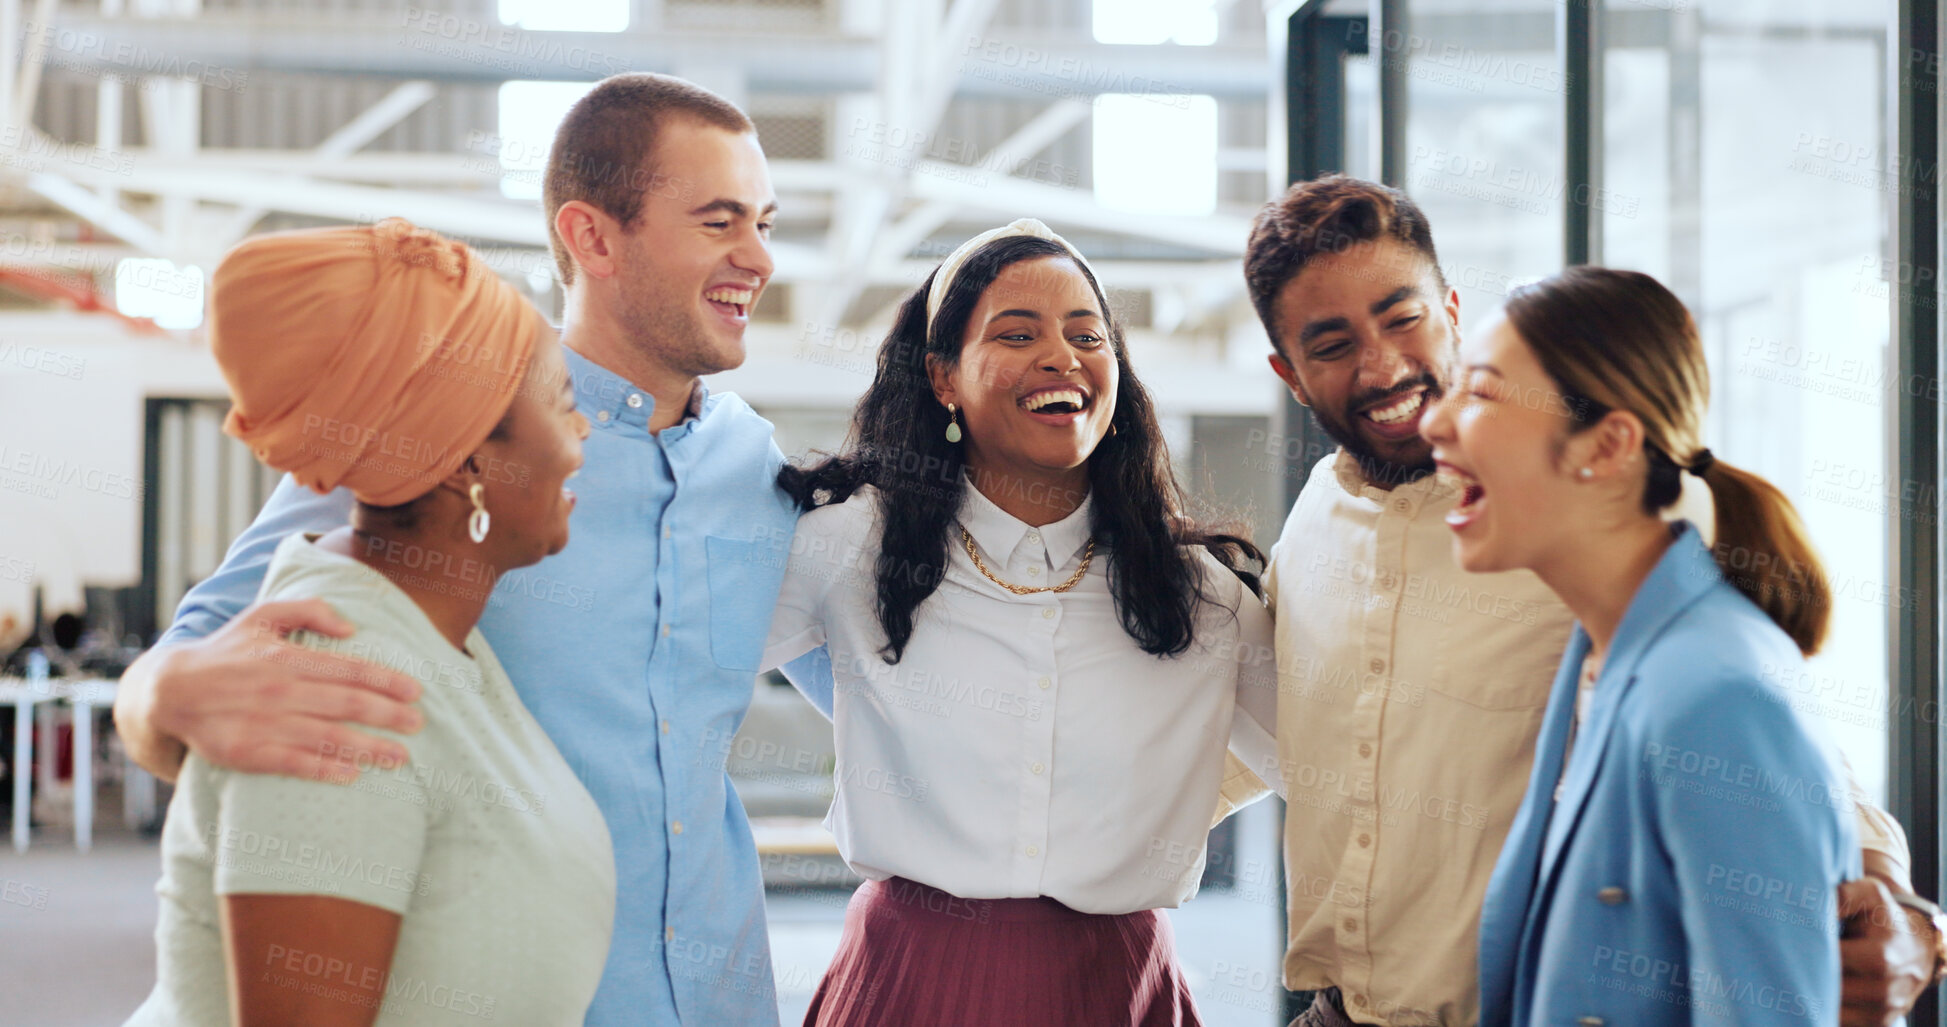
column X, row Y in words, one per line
column 601, row 152
column 1325, row 216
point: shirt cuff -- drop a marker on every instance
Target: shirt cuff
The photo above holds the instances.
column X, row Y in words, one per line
column 1241, row 787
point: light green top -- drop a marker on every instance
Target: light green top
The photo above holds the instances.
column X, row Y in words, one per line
column 485, row 842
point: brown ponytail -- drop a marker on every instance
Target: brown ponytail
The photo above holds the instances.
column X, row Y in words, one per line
column 1763, row 548
column 1619, row 340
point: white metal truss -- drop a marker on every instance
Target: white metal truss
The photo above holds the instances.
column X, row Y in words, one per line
column 173, row 198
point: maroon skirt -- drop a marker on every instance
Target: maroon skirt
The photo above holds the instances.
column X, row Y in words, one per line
column 912, row 954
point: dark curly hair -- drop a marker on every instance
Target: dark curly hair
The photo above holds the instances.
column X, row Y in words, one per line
column 897, row 444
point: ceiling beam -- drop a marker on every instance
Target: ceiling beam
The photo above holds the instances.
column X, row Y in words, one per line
column 419, row 43
column 353, row 135
column 96, row 211
column 1221, row 234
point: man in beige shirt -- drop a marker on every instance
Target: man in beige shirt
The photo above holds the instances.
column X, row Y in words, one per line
column 1411, row 692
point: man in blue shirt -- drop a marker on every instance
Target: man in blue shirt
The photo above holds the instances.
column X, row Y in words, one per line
column 636, row 646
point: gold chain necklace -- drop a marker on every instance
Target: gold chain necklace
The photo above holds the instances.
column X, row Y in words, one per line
column 1023, row 590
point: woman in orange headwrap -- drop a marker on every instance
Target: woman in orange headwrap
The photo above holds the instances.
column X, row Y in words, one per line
column 475, row 880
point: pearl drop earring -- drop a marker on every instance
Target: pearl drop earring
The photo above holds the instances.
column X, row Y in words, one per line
column 1585, row 473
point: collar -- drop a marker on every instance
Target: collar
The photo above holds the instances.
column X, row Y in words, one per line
column 999, row 533
column 1406, row 498
column 1682, row 576
column 607, row 398
column 1686, row 571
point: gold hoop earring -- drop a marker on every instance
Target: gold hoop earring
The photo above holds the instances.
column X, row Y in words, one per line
column 478, row 524
column 953, row 433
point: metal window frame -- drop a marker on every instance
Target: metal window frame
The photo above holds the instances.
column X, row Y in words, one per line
column 1578, row 42
column 1395, row 48
column 1914, row 787
column 1310, row 108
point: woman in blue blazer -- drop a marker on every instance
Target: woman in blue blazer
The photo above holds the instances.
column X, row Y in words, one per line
column 1685, row 829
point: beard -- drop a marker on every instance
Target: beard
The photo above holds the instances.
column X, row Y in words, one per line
column 1385, row 470
column 667, row 327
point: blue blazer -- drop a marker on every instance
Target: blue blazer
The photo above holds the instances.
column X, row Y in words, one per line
column 1687, row 875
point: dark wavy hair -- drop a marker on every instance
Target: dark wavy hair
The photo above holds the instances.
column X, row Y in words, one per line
column 898, row 445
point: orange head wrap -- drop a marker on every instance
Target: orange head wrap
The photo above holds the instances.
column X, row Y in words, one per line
column 376, row 357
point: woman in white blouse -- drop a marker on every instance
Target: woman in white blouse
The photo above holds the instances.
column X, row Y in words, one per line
column 1038, row 660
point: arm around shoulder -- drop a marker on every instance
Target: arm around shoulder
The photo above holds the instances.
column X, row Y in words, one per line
column 249, row 699
column 152, row 749
column 1254, row 726
column 181, row 684
column 830, row 549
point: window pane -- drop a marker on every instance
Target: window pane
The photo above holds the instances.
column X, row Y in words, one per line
column 1145, row 22
column 529, row 113
column 1745, row 166
column 1484, row 138
column 1361, row 86
column 1156, row 154
column 569, row 16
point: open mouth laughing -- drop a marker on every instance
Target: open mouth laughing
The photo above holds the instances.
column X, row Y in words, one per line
column 732, row 301
column 1062, row 403
column 1472, row 495
column 1397, row 416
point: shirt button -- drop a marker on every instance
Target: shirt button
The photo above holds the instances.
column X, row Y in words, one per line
column 1044, row 682
column 1034, row 538
column 635, row 400
column 669, row 934
column 1365, row 748
column 1034, row 850
column 1047, row 613
column 1358, row 1000
column 675, row 827
column 1365, row 840
column 665, row 727
column 665, row 631
column 1612, row 896
column 1351, row 925
column 1037, row 768
column 1590, row 1021
column 668, row 531
column 601, row 415
column 1034, row 572
column 1402, row 505
column 1378, row 666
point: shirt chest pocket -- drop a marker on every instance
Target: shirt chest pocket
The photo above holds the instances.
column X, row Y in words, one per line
column 1495, row 665
column 744, row 577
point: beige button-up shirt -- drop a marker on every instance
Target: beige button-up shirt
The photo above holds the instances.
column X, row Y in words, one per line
column 1410, row 695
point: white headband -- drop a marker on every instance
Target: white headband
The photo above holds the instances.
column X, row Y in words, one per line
column 943, row 278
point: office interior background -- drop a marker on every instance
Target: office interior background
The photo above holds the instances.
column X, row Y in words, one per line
column 1776, row 162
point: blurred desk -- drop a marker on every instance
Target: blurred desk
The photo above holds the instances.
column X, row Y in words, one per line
column 84, row 696
column 798, row 836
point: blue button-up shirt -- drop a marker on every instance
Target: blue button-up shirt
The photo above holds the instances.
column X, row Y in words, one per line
column 636, row 648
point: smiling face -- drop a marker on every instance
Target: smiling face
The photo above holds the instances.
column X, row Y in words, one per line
column 1363, row 336
column 525, row 470
column 1502, row 438
column 698, row 256
column 1036, row 380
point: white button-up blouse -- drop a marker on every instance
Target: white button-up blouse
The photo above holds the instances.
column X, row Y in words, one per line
column 1024, row 745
